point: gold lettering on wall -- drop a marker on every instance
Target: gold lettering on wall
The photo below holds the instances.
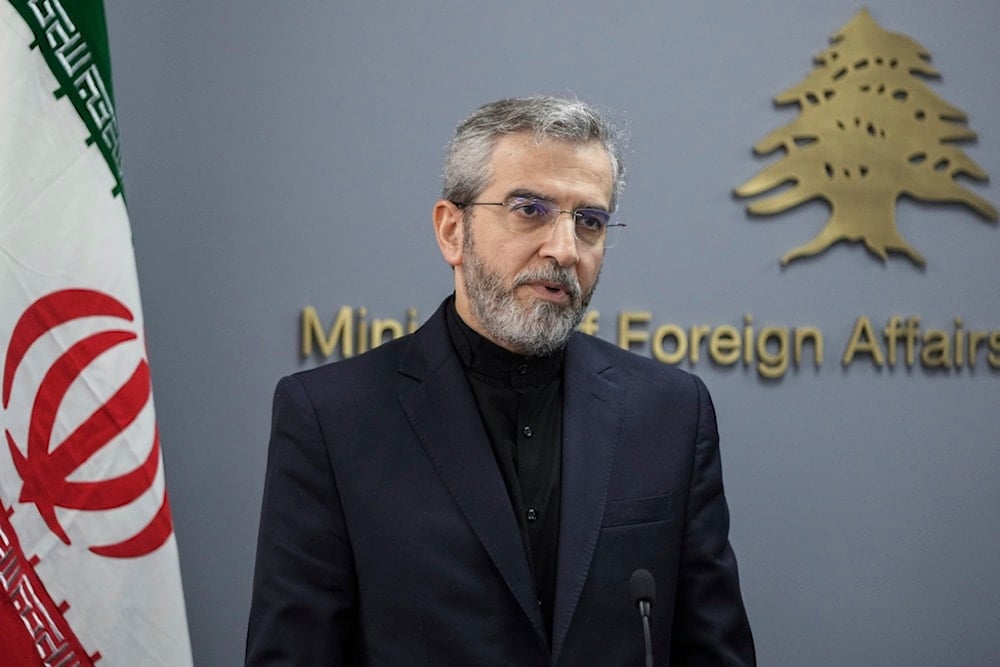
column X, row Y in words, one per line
column 771, row 350
column 902, row 339
column 350, row 330
column 766, row 350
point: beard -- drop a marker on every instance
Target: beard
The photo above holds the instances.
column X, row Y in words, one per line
column 532, row 327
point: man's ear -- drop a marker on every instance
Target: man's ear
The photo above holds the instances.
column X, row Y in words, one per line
column 449, row 230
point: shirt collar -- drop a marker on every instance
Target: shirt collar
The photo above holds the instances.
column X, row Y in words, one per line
column 488, row 360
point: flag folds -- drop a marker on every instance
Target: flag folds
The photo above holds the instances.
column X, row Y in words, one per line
column 88, row 560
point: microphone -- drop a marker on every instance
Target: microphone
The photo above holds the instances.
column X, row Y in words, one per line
column 643, row 590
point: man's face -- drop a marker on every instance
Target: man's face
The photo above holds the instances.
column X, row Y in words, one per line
column 527, row 292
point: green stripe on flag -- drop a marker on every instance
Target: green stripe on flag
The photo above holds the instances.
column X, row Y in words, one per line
column 72, row 36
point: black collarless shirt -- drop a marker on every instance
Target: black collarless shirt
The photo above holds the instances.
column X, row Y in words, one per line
column 520, row 403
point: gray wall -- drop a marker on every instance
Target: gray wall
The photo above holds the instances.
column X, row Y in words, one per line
column 279, row 155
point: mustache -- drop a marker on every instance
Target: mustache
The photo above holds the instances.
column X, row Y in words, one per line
column 563, row 277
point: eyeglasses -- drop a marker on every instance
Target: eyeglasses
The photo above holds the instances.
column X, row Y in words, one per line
column 529, row 215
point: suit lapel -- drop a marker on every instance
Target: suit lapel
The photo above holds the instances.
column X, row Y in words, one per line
column 444, row 415
column 592, row 413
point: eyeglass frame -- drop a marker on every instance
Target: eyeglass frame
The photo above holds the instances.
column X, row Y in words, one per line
column 553, row 216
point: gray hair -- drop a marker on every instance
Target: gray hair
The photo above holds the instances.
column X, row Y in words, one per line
column 467, row 162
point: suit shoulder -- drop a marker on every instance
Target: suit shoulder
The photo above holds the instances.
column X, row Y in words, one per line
column 633, row 368
column 367, row 369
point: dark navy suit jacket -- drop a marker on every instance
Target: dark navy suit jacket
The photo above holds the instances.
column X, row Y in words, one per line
column 387, row 535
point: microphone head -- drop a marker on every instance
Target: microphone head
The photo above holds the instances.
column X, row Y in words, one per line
column 642, row 587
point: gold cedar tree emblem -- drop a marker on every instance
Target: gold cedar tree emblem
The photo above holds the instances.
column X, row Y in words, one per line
column 869, row 131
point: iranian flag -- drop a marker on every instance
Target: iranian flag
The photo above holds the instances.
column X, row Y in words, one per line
column 88, row 559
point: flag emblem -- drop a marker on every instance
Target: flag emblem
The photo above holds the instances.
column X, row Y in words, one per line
column 47, row 468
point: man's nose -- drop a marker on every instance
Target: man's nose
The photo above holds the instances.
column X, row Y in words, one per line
column 562, row 244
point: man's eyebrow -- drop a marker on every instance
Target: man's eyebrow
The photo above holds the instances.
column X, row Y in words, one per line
column 524, row 193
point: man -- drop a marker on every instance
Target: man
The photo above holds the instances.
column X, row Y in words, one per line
column 481, row 492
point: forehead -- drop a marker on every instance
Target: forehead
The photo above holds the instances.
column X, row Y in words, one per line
column 555, row 168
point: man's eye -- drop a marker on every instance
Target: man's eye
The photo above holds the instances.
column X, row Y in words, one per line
column 591, row 220
column 530, row 209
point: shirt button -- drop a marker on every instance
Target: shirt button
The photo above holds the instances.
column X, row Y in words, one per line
column 532, row 515
column 522, row 369
column 526, row 431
